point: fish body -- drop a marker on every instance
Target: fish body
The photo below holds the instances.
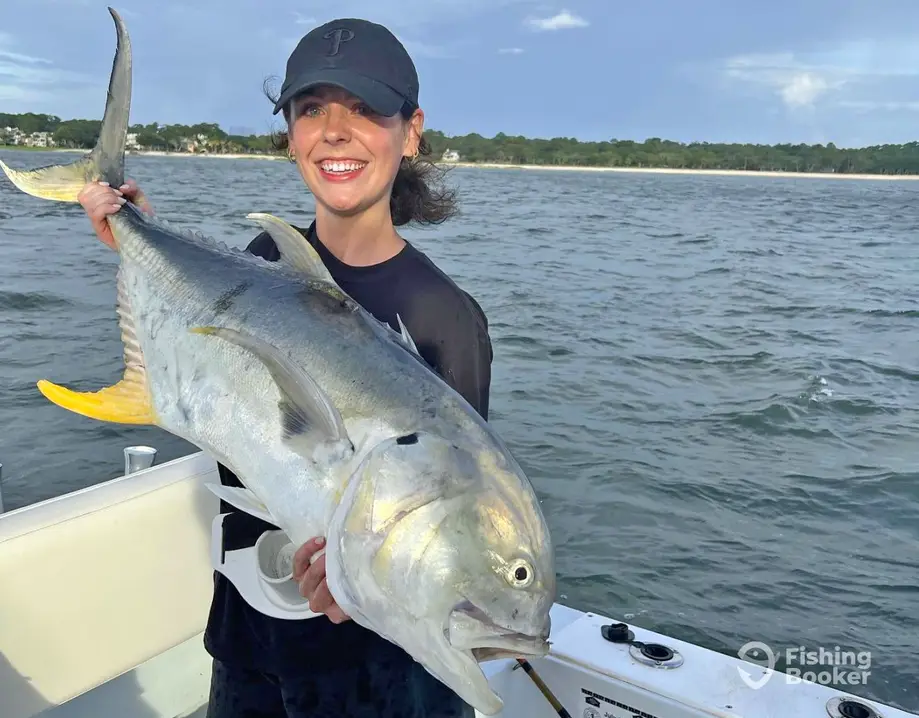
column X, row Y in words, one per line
column 331, row 420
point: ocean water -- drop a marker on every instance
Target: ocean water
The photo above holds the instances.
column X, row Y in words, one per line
column 712, row 382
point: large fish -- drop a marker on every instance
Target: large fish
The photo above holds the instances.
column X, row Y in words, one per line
column 333, row 423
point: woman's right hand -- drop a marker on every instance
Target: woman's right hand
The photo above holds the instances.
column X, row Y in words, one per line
column 99, row 200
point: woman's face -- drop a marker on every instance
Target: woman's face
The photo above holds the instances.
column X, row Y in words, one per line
column 348, row 156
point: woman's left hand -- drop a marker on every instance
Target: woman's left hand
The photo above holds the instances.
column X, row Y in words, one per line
column 313, row 584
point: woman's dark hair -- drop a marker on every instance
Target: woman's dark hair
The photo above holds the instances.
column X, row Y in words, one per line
column 418, row 194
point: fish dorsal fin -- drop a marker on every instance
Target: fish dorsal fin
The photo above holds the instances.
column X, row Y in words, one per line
column 309, row 419
column 295, row 250
column 128, row 401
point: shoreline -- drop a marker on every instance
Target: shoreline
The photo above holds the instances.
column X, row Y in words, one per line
column 525, row 167
column 684, row 171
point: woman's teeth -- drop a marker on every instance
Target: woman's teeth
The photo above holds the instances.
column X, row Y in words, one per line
column 342, row 166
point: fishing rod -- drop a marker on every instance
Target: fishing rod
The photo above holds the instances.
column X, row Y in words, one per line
column 543, row 688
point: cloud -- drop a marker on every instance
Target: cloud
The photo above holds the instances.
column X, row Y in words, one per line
column 6, row 55
column 300, row 19
column 563, row 21
column 848, row 74
column 794, row 82
column 511, row 51
column 26, row 79
column 803, row 88
column 797, row 83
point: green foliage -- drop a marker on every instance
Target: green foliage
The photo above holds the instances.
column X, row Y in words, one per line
column 507, row 149
column 77, row 133
column 655, row 152
column 30, row 122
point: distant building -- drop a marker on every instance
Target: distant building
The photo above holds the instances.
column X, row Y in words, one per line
column 13, row 136
column 40, row 139
column 450, row 156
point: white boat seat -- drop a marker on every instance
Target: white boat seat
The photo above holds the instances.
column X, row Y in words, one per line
column 96, row 593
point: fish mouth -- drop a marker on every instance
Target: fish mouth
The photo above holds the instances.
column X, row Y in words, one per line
column 471, row 630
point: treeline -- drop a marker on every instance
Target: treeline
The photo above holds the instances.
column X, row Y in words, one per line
column 502, row 148
column 655, row 152
column 176, row 138
column 207, row 136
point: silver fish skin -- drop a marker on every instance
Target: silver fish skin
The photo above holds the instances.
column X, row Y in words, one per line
column 331, row 420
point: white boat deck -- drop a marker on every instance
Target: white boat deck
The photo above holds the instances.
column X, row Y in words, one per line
column 106, row 591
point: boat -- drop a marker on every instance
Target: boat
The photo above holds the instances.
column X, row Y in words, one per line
column 106, row 590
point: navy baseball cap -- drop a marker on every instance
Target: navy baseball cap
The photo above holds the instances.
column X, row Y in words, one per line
column 358, row 56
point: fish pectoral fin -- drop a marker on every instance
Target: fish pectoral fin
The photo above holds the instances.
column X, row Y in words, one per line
column 244, row 500
column 126, row 402
column 295, row 250
column 308, row 416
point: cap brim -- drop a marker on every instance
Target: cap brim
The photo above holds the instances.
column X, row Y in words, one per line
column 381, row 98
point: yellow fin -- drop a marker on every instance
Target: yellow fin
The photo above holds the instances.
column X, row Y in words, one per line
column 62, row 183
column 127, row 402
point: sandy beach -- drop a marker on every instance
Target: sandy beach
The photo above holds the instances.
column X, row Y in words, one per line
column 549, row 168
column 205, row 155
column 673, row 171
column 573, row 168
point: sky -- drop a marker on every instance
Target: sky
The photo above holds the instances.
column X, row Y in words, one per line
column 813, row 71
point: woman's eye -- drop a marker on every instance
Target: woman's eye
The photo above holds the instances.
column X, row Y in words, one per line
column 305, row 108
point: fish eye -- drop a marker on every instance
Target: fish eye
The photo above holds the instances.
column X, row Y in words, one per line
column 520, row 574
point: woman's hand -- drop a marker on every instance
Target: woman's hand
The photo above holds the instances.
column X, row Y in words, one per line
column 99, row 200
column 313, row 584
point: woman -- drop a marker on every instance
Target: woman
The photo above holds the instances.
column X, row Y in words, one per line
column 354, row 130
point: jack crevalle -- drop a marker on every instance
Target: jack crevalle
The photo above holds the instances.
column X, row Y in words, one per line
column 331, row 420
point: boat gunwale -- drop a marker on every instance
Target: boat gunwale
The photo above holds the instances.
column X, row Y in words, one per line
column 97, row 497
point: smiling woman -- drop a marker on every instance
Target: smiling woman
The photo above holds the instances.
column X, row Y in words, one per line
column 374, row 112
column 354, row 130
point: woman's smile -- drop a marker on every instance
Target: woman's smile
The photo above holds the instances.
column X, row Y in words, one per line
column 340, row 170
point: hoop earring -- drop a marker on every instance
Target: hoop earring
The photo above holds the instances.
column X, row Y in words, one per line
column 290, row 155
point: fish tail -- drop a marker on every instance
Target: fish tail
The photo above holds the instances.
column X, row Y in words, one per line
column 63, row 182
